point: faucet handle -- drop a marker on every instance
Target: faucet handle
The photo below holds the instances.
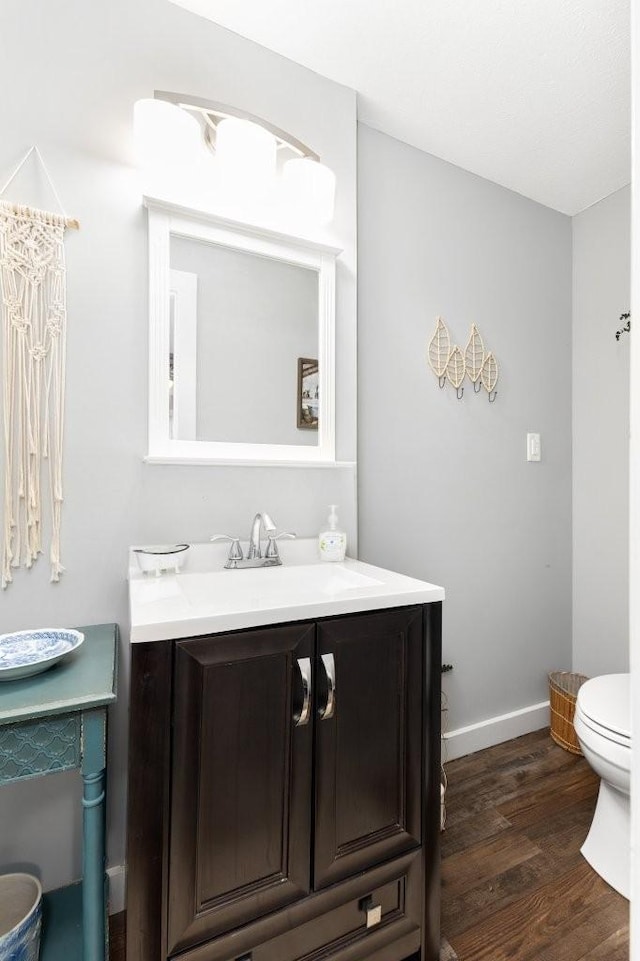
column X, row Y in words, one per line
column 268, row 524
column 272, row 547
column 235, row 551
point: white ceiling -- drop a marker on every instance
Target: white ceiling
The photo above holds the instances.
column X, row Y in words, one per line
column 532, row 94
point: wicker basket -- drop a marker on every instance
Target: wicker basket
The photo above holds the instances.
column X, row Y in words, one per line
column 563, row 690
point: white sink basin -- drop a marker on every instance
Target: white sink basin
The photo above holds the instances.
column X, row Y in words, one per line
column 210, row 601
column 269, row 585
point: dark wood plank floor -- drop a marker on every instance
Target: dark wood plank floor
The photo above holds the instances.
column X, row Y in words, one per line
column 515, row 886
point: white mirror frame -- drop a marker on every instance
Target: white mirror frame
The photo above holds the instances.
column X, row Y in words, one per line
column 166, row 219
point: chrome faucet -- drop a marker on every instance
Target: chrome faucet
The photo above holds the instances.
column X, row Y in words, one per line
column 260, row 520
column 236, row 559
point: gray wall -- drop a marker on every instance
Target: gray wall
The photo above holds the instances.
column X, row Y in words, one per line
column 446, row 493
column 71, row 71
column 256, row 316
column 601, row 292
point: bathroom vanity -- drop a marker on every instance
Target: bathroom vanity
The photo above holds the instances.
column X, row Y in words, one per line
column 284, row 770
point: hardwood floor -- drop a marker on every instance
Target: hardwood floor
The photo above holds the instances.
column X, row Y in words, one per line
column 515, row 886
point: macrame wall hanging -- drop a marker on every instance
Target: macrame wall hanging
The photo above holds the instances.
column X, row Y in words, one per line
column 451, row 363
column 34, row 320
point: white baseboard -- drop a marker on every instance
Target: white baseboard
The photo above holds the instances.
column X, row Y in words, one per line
column 494, row 730
column 116, row 876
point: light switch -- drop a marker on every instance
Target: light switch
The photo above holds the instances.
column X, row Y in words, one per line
column 533, row 447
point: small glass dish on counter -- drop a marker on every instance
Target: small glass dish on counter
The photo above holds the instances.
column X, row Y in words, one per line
column 161, row 558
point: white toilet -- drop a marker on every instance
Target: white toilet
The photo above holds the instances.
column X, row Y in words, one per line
column 603, row 725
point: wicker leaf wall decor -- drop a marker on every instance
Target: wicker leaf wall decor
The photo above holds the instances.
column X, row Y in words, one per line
column 452, row 363
column 474, row 357
column 489, row 376
column 439, row 350
column 456, row 370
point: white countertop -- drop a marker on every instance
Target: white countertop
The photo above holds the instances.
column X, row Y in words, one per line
column 206, row 599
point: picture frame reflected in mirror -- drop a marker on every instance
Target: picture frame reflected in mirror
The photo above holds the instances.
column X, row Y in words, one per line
column 308, row 397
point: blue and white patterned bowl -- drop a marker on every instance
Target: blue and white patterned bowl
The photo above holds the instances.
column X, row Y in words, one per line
column 20, row 917
column 29, row 652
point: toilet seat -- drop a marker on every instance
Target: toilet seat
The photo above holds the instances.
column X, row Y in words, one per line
column 609, row 757
column 603, row 704
column 604, row 732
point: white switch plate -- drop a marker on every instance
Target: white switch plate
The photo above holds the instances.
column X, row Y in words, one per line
column 533, row 447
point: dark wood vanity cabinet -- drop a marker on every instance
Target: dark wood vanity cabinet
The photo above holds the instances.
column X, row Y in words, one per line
column 284, row 792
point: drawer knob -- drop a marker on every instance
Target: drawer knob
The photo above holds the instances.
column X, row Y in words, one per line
column 373, row 912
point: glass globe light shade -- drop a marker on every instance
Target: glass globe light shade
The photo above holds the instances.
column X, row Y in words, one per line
column 245, row 155
column 167, row 139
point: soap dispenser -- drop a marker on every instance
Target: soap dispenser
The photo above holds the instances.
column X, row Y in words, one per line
column 332, row 543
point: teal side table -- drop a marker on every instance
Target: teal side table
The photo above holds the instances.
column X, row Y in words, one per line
column 56, row 721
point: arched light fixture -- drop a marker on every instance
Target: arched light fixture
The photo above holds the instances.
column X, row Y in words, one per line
column 251, row 162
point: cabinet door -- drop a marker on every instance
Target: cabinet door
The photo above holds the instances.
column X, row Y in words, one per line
column 369, row 741
column 241, row 789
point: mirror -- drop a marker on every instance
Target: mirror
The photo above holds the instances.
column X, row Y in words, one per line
column 239, row 322
column 241, row 342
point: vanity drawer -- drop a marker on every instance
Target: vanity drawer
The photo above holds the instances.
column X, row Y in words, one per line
column 332, row 926
column 343, row 933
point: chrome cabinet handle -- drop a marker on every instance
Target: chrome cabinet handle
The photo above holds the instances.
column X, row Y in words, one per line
column 302, row 717
column 329, row 708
